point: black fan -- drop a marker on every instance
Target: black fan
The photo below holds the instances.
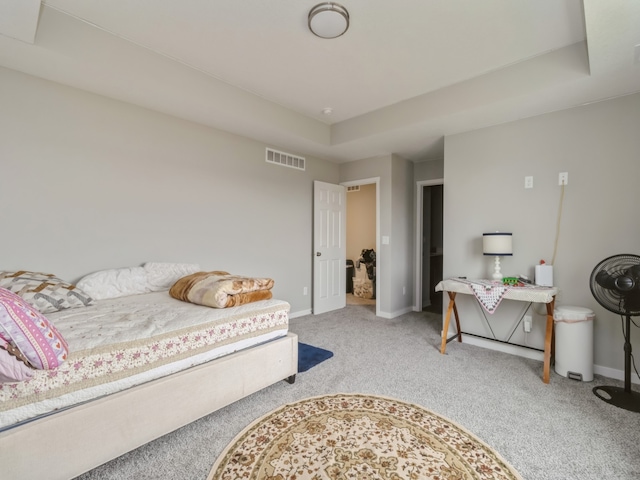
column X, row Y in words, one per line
column 615, row 284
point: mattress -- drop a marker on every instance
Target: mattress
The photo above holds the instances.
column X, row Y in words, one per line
column 122, row 342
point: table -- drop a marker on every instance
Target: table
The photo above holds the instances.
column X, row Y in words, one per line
column 529, row 293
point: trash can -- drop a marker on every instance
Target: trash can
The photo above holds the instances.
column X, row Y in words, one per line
column 350, row 273
column 574, row 343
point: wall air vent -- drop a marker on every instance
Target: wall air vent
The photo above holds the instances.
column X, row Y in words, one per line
column 353, row 188
column 285, row 159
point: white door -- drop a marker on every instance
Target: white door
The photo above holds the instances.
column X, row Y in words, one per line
column 329, row 247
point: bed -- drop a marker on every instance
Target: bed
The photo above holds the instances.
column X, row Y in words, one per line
column 139, row 366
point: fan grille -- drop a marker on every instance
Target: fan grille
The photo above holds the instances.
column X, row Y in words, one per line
column 623, row 299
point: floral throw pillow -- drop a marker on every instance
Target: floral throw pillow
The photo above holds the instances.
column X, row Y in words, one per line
column 28, row 330
column 44, row 291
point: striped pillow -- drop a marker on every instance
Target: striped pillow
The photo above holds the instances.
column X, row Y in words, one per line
column 27, row 329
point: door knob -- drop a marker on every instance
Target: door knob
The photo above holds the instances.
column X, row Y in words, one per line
column 318, row 254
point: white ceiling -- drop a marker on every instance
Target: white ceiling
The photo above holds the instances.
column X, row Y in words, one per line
column 405, row 74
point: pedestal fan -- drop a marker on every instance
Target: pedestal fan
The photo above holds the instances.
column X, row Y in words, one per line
column 615, row 284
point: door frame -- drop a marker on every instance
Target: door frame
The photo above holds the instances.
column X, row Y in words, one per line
column 417, row 307
column 369, row 181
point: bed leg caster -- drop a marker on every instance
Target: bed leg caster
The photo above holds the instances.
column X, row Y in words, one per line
column 291, row 380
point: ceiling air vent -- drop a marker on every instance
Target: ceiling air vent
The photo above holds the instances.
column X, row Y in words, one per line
column 285, row 159
column 353, row 188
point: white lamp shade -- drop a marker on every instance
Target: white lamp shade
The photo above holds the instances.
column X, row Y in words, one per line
column 328, row 20
column 497, row 243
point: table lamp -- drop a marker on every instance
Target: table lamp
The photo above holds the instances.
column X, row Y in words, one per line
column 499, row 245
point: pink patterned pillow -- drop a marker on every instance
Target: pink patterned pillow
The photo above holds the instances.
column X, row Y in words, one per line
column 11, row 368
column 26, row 328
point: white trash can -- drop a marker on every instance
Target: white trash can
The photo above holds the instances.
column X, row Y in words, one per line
column 574, row 342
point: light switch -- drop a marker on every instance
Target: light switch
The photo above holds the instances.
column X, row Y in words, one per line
column 385, row 240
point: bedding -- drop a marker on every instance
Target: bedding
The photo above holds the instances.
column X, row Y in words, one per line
column 120, row 282
column 220, row 289
column 120, row 342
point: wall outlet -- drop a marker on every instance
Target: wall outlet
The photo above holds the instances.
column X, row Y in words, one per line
column 528, row 182
column 527, row 323
column 563, row 178
column 305, row 291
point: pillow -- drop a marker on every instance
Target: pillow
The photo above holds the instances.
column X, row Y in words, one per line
column 11, row 368
column 161, row 276
column 44, row 291
column 117, row 282
column 27, row 329
column 120, row 282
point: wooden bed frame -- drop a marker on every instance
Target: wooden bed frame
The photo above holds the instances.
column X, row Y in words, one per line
column 73, row 441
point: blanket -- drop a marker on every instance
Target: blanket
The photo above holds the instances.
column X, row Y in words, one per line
column 221, row 289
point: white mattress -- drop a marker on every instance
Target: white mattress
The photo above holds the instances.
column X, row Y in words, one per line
column 122, row 342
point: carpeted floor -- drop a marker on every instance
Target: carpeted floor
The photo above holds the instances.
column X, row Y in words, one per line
column 559, row 431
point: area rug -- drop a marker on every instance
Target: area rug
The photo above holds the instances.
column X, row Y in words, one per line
column 310, row 356
column 353, row 436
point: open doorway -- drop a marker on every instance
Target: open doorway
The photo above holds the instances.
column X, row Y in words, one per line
column 429, row 245
column 362, row 232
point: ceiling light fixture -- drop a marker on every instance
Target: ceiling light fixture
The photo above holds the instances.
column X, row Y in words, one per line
column 328, row 20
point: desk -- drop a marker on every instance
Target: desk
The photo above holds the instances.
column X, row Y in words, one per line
column 531, row 294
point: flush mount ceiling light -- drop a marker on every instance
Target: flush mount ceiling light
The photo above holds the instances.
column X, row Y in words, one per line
column 328, row 20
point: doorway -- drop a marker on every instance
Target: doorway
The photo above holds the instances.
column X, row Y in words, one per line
column 363, row 232
column 429, row 245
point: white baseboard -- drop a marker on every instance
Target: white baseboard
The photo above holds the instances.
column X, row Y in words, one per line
column 300, row 313
column 397, row 313
column 503, row 347
column 613, row 373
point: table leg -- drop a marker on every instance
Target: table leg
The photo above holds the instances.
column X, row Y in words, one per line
column 447, row 319
column 455, row 314
column 548, row 341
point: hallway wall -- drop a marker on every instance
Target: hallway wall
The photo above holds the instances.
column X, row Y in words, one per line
column 361, row 220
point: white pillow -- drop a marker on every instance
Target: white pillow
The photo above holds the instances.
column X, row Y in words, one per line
column 117, row 282
column 162, row 276
column 120, row 282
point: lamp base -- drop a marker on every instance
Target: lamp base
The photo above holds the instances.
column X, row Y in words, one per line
column 497, row 274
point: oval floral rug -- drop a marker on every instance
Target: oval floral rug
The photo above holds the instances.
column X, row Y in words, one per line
column 353, row 436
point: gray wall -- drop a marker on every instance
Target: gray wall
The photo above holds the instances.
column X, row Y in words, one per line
column 428, row 170
column 599, row 146
column 90, row 183
column 395, row 260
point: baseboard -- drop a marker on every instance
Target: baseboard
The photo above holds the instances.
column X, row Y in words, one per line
column 397, row 313
column 525, row 352
column 614, row 373
column 300, row 313
column 503, row 347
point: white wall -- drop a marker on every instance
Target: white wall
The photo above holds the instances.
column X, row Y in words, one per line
column 89, row 183
column 599, row 146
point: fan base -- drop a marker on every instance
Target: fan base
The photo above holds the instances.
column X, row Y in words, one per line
column 628, row 400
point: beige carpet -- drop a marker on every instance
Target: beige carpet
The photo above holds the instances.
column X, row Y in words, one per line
column 353, row 300
column 352, row 436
